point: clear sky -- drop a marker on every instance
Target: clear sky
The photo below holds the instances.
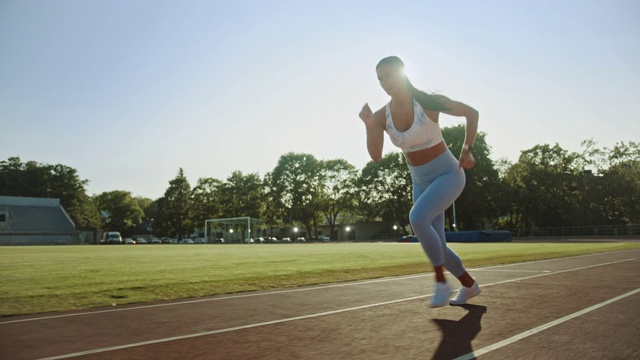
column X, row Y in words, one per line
column 129, row 91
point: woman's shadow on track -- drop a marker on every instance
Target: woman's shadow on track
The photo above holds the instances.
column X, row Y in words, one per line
column 457, row 335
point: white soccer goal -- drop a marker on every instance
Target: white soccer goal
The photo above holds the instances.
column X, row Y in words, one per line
column 239, row 230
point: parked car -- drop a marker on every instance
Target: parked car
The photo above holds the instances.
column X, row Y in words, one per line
column 300, row 239
column 408, row 238
column 129, row 241
column 219, row 241
column 200, row 241
column 271, row 240
column 323, row 238
column 111, row 237
column 141, row 241
column 156, row 241
column 286, row 240
column 186, row 241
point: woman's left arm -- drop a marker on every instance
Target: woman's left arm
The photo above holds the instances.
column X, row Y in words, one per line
column 456, row 108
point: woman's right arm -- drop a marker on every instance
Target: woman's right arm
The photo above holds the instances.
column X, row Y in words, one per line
column 375, row 132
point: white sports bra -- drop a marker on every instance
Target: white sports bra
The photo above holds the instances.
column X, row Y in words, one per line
column 422, row 134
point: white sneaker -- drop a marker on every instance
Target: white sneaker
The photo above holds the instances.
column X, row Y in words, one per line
column 466, row 293
column 441, row 294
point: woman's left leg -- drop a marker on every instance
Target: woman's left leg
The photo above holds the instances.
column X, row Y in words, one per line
column 452, row 261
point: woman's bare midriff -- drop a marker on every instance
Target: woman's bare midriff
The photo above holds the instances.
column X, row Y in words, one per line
column 421, row 157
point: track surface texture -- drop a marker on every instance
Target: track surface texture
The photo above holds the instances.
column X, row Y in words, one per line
column 583, row 307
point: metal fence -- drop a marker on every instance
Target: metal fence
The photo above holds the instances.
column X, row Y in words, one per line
column 580, row 231
column 599, row 231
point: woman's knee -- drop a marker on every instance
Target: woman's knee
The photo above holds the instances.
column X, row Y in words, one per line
column 420, row 217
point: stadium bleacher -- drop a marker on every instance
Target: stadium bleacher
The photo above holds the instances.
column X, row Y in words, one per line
column 35, row 221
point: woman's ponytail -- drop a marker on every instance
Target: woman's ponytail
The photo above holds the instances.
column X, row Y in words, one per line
column 427, row 101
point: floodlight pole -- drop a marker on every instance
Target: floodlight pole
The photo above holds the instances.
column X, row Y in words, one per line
column 455, row 226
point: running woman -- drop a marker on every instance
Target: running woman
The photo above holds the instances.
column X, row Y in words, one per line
column 411, row 122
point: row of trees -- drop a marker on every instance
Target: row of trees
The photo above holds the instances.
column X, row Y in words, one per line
column 547, row 187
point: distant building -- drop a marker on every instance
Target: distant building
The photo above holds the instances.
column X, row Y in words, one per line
column 35, row 221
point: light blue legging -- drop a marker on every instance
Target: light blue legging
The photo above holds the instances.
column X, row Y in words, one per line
column 436, row 185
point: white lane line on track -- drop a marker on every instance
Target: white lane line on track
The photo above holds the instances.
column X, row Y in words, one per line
column 242, row 327
column 515, row 270
column 303, row 317
column 511, row 340
column 276, row 292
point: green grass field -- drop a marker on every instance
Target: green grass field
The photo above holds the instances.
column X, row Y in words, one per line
column 56, row 278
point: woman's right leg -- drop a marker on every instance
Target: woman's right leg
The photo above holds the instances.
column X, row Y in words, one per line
column 452, row 261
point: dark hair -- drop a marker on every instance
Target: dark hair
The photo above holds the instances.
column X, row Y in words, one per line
column 427, row 101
